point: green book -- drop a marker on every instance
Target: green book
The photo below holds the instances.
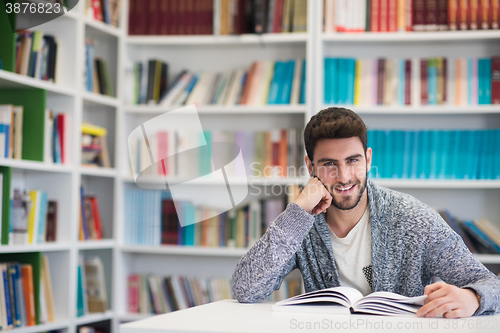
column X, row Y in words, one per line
column 6, row 179
column 33, row 102
column 7, row 38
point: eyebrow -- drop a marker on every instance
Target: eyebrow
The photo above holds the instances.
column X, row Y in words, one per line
column 327, row 159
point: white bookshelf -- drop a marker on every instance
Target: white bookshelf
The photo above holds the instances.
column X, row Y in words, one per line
column 466, row 199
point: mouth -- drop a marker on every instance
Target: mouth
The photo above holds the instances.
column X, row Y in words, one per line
column 345, row 190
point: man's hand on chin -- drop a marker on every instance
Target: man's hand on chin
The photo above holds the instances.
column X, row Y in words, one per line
column 449, row 301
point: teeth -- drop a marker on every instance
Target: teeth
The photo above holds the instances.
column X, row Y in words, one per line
column 345, row 188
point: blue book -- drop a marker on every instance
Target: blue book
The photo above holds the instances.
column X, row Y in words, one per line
column 179, row 207
column 42, row 219
column 402, row 82
column 56, row 142
column 456, row 149
column 432, row 81
column 335, row 80
column 287, row 90
column 487, row 81
column 302, row 98
column 7, row 297
column 407, row 153
column 86, row 232
column 434, row 143
column 371, row 142
column 16, row 314
column 388, row 155
column 283, row 83
column 469, row 164
column 481, row 158
column 496, row 162
column 443, row 154
column 490, row 171
column 415, row 148
column 274, row 88
column 398, row 153
column 481, row 235
column 2, row 131
column 342, row 82
column 189, row 229
column 381, row 144
column 328, row 88
column 351, row 73
column 480, row 81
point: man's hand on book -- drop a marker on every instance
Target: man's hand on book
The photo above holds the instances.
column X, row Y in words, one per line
column 449, row 301
column 314, row 197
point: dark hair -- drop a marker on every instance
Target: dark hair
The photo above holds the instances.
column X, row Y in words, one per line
column 333, row 123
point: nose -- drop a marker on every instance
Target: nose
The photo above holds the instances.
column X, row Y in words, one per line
column 344, row 174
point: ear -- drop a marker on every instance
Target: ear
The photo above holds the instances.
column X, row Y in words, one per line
column 308, row 164
column 368, row 159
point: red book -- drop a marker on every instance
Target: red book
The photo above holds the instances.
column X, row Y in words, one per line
column 495, row 80
column 60, row 128
column 97, row 7
column 142, row 18
column 375, row 16
column 423, row 82
column 407, row 82
column 248, row 84
column 419, row 15
column 431, row 15
column 442, row 14
column 380, row 81
column 277, row 21
column 493, row 13
column 392, row 16
column 132, row 15
column 97, row 217
column 181, row 17
column 169, row 222
column 473, row 14
column 463, row 10
column 452, row 14
column 409, row 15
column 283, row 153
column 163, row 17
column 484, row 10
column 210, row 17
column 190, row 17
column 162, row 138
column 134, row 283
column 173, row 28
column 384, row 15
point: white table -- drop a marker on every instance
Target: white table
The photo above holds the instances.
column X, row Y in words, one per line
column 231, row 316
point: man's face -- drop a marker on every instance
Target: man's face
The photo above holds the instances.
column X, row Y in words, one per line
column 341, row 164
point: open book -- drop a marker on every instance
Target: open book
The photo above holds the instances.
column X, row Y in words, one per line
column 345, row 300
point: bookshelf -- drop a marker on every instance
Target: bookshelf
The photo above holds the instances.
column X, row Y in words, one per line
column 466, row 199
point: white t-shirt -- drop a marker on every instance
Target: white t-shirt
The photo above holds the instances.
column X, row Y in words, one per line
column 353, row 255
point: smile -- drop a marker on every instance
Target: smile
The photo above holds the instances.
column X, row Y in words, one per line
column 345, row 190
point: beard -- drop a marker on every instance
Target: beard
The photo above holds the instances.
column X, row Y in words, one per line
column 349, row 204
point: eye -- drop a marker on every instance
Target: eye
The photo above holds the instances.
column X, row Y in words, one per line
column 328, row 163
column 353, row 160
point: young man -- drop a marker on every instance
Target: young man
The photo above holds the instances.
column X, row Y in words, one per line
column 343, row 230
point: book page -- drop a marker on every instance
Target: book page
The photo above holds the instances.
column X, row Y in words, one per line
column 345, row 296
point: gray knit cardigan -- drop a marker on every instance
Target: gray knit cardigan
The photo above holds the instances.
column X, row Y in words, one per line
column 411, row 244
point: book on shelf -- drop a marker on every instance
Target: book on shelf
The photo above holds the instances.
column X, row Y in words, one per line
column 171, row 17
column 11, row 131
column 36, row 55
column 95, row 285
column 90, row 329
column 262, row 16
column 264, row 83
column 435, row 154
column 274, row 153
column 32, row 218
column 57, row 141
column 158, row 222
column 412, row 82
column 347, row 300
column 107, row 11
column 97, row 76
column 90, row 225
column 404, row 15
column 94, row 146
column 25, row 290
column 91, row 288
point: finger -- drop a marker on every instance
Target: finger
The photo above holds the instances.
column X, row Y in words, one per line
column 433, row 287
column 437, row 293
column 453, row 314
column 433, row 305
column 441, row 310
